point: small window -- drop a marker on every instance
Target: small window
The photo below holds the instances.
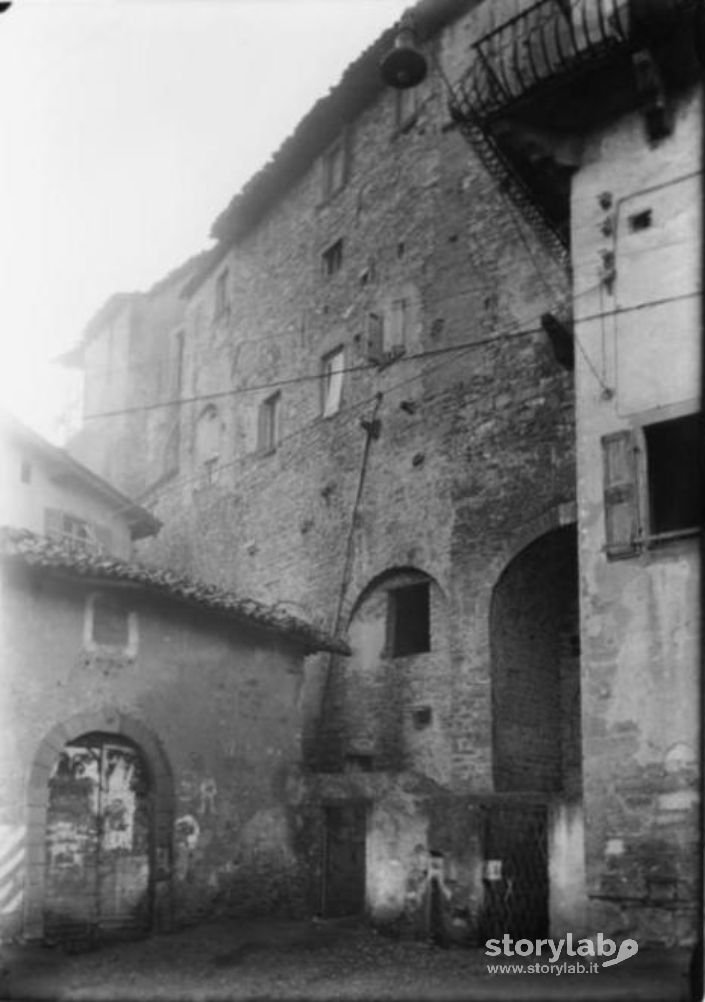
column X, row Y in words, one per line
column 109, row 625
column 332, row 381
column 268, row 428
column 406, row 108
column 640, row 221
column 334, row 168
column 221, row 294
column 674, row 460
column 26, row 471
column 110, row 622
column 408, row 620
column 333, row 259
column 178, row 364
column 395, row 330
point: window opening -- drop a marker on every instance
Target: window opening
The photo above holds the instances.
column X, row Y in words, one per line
column 334, row 168
column 395, row 333
column 26, row 471
column 333, row 258
column 640, row 221
column 268, row 430
column 110, row 622
column 674, row 459
column 406, row 107
column 408, row 620
column 332, row 381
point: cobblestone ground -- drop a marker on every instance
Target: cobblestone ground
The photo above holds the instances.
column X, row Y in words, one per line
column 237, row 961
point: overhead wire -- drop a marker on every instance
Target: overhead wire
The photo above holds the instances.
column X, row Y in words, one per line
column 310, row 377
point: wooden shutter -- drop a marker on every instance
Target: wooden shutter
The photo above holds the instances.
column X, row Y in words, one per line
column 622, row 527
column 375, row 338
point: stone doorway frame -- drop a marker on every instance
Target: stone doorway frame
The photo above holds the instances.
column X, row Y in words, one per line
column 107, row 721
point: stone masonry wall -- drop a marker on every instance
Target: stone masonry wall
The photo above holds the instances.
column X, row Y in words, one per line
column 221, row 704
column 481, row 445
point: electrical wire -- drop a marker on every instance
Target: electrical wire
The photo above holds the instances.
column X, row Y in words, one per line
column 310, row 377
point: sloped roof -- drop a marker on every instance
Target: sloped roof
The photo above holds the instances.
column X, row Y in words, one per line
column 76, row 561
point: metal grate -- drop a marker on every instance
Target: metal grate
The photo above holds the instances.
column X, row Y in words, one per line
column 516, row 870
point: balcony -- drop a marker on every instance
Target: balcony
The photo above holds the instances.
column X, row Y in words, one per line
column 538, row 81
column 554, row 46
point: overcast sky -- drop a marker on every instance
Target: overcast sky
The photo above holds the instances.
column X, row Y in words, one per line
column 125, row 128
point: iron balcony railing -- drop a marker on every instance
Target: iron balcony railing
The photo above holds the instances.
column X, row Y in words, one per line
column 546, row 40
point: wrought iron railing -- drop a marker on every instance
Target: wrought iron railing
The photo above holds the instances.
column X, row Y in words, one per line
column 546, row 40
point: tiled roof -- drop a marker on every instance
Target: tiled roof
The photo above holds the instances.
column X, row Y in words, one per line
column 75, row 560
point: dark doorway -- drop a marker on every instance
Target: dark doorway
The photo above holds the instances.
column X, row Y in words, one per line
column 344, row 860
column 535, row 644
column 98, row 840
column 516, row 870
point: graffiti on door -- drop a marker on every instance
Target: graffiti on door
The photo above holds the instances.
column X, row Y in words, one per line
column 98, row 833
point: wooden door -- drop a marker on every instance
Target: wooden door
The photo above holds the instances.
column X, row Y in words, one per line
column 98, row 840
column 344, row 865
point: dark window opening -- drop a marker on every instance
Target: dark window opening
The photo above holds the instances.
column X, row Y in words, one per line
column 674, row 455
column 333, row 259
column 359, row 762
column 335, row 168
column 408, row 620
column 421, row 717
column 640, row 221
column 110, row 622
column 26, row 472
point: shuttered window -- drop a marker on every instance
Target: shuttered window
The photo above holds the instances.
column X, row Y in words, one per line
column 621, row 494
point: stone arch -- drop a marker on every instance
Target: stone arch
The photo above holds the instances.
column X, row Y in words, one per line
column 388, row 705
column 384, row 577
column 535, row 667
column 109, row 721
column 528, row 532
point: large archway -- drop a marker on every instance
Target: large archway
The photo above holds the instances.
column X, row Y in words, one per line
column 100, row 823
column 534, row 636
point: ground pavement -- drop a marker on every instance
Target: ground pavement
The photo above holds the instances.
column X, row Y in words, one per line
column 236, row 960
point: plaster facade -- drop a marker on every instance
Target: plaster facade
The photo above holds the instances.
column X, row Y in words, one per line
column 641, row 610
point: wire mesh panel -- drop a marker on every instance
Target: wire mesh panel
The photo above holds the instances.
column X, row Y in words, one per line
column 516, row 870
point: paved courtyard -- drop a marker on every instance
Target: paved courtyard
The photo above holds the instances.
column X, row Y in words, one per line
column 311, row 960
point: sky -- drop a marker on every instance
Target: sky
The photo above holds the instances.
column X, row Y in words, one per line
column 126, row 126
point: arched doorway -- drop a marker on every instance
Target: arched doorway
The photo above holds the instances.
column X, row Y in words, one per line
column 127, row 755
column 535, row 645
column 99, row 834
column 536, row 734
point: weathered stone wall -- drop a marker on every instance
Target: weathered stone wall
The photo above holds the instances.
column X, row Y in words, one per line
column 220, row 703
column 482, row 444
column 132, row 361
column 641, row 647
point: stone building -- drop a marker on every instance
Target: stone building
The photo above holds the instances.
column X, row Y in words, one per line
column 150, row 724
column 377, row 428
